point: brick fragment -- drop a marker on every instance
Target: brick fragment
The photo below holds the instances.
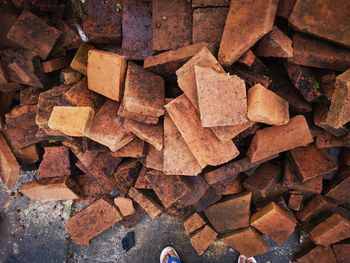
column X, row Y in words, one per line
column 209, row 3
column 29, row 95
column 122, row 112
column 72, row 121
column 221, row 217
column 234, row 42
column 274, row 222
column 141, row 182
column 27, row 155
column 285, row 7
column 341, row 252
column 55, row 163
column 325, row 139
column 150, row 206
column 320, row 119
column 69, row 76
column 54, row 64
column 295, row 201
column 207, row 199
column 339, row 189
column 332, row 230
column 3, row 75
column 7, row 19
column 22, row 116
column 229, row 186
column 80, row 60
column 154, row 158
column 9, row 168
column 203, row 239
column 92, row 221
column 124, row 205
column 69, row 39
column 198, row 189
column 126, row 174
column 133, row 149
column 267, row 107
column 32, row 33
column 246, row 241
column 227, row 133
column 172, row 24
column 193, row 223
column 318, row 254
column 277, row 139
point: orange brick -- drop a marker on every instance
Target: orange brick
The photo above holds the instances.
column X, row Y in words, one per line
column 55, row 163
column 80, row 60
column 154, row 158
column 202, row 240
column 227, row 133
column 54, row 64
column 9, row 168
column 124, row 205
column 136, row 116
column 150, row 206
column 193, row 223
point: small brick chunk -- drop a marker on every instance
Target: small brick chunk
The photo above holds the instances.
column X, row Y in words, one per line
column 320, row 119
column 72, row 121
column 319, row 254
column 107, row 127
column 216, row 94
column 332, row 19
column 124, row 205
column 241, row 32
column 51, row 189
column 275, row 44
column 274, row 222
column 144, row 92
column 168, row 188
column 92, row 221
column 339, row 111
column 172, row 24
column 341, row 252
column 246, row 241
column 222, row 217
column 32, row 33
column 339, row 190
column 266, row 106
column 136, row 116
column 273, row 140
column 332, row 230
column 193, row 223
column 106, row 73
column 9, row 168
column 55, row 162
column 133, row 149
column 80, row 60
column 69, row 76
column 54, row 64
column 150, row 206
column 203, row 239
column 154, row 158
column 295, row 201
column 209, row 3
column 205, row 147
column 263, row 179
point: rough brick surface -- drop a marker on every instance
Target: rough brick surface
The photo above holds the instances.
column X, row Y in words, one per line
column 246, row 241
column 229, row 186
column 154, row 158
column 202, row 240
column 126, row 174
column 339, row 189
column 193, row 223
column 320, row 119
column 54, row 64
column 319, row 254
column 267, row 107
column 141, row 182
column 227, row 133
column 124, row 205
column 55, row 162
column 198, row 189
column 207, row 199
column 295, row 201
column 92, row 221
column 80, row 60
column 277, row 139
column 133, row 149
column 241, row 32
column 122, row 112
column 27, row 155
column 274, row 222
column 209, row 3
column 285, row 7
column 150, row 206
column 341, row 252
column 9, row 168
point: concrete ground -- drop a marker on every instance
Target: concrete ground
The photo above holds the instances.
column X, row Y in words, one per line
column 35, row 232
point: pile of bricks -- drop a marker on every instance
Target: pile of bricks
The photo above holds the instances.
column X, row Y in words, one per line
column 233, row 116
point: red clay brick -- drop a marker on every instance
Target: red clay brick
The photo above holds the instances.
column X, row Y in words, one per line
column 126, row 174
column 227, row 133
column 198, row 189
column 203, row 239
column 55, row 163
column 193, row 223
column 141, row 182
column 341, row 252
column 295, row 201
column 54, row 64
column 209, row 3
column 80, row 60
column 318, row 254
column 124, row 205
column 9, row 168
column 339, row 189
column 133, row 149
column 229, row 186
column 150, row 206
column 285, row 7
column 154, row 158
column 207, row 199
column 27, row 155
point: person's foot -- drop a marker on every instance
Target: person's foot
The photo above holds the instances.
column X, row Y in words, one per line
column 168, row 253
column 244, row 259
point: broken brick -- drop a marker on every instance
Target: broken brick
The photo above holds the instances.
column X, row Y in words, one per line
column 69, row 76
column 54, row 64
column 339, row 189
column 295, row 201
column 285, row 7
column 318, row 254
column 80, row 60
column 9, row 168
column 227, row 133
column 230, row 186
column 22, row 116
column 198, row 189
column 221, row 217
column 27, row 155
column 193, row 223
column 141, row 182
column 207, row 199
column 55, row 162
column 124, row 205
column 203, row 239
column 209, row 3
column 29, row 95
column 92, row 221
column 150, row 206
column 154, row 158
column 341, row 252
column 122, row 112
column 133, row 149
column 126, row 174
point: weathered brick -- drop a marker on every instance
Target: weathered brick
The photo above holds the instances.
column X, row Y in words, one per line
column 234, row 42
column 198, row 189
column 193, row 223
column 345, row 156
column 285, row 7
column 341, row 252
column 124, row 205
column 69, row 76
column 55, row 163
column 54, row 64
column 22, row 116
column 209, row 3
column 126, row 174
column 207, row 199
column 227, row 133
column 277, row 139
column 206, row 148
column 203, row 239
column 29, row 95
column 172, row 24
column 274, row 222
column 325, row 139
column 246, row 241
column 339, row 189
column 221, row 217
column 133, row 149
column 122, row 112
column 229, row 186
column 92, row 221
column 27, row 155
column 69, row 39
column 9, row 168
column 80, row 60
column 267, row 107
column 154, row 158
column 150, row 206
column 318, row 254
column 141, row 182
column 295, row 201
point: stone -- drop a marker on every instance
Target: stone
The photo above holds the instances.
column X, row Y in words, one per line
column 166, row 63
column 20, row 138
column 144, row 92
column 246, row 241
column 203, row 239
column 319, row 254
column 262, row 181
column 51, row 189
column 34, row 34
column 339, row 189
column 153, row 134
column 266, row 106
column 92, row 221
column 274, row 222
column 193, row 223
column 54, row 64
column 198, row 189
column 9, row 168
column 209, row 198
column 208, row 25
column 295, row 201
column 163, row 186
column 205, row 147
column 122, row 112
column 209, row 3
column 150, row 206
column 69, row 76
column 222, row 218
column 171, row 25
column 72, row 121
column 107, row 127
column 227, row 133
column 106, row 73
column 186, row 76
column 216, row 92
column 80, row 60
column 345, row 156
column 234, row 42
column 312, row 162
column 338, row 114
column 124, row 205
column 341, row 252
column 332, row 230
column 273, row 140
column 133, row 149
column 55, row 163
column 177, row 156
column 314, row 52
column 126, row 174
column 285, row 7
column 333, row 16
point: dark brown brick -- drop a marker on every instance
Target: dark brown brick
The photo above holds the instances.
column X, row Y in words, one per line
column 210, row 3
column 198, row 189
column 55, row 163
column 339, row 190
column 318, row 254
column 126, row 174
column 295, row 201
column 208, row 198
column 341, row 252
